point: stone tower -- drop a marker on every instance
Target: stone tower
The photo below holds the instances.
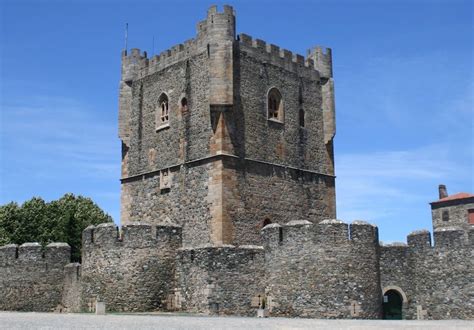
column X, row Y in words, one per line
column 226, row 133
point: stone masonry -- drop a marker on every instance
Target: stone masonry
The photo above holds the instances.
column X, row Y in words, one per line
column 31, row 278
column 228, row 202
column 231, row 166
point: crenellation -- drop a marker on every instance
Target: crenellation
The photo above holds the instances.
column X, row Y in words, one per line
column 106, row 235
column 8, row 252
column 363, row 232
column 274, row 55
column 419, row 240
column 333, row 231
column 31, row 279
column 137, row 234
column 286, row 54
column 57, row 253
column 30, row 251
column 298, row 231
column 322, row 60
column 298, row 59
column 245, row 39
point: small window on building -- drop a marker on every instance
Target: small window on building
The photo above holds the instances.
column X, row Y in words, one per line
column 162, row 113
column 274, row 105
column 301, row 118
column 445, row 215
column 470, row 216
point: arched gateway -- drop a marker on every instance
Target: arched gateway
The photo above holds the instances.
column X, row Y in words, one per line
column 393, row 304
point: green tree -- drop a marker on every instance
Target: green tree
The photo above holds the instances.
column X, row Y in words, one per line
column 62, row 220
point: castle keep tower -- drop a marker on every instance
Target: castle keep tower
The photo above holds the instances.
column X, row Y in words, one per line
column 225, row 133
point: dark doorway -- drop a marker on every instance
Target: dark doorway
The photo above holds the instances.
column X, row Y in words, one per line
column 392, row 305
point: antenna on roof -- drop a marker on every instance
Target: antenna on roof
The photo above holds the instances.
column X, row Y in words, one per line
column 126, row 36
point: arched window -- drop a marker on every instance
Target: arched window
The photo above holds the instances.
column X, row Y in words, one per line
column 274, row 105
column 301, row 118
column 163, row 113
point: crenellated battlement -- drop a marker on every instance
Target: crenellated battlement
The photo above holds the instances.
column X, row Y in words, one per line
column 31, row 252
column 274, row 55
column 221, row 21
column 446, row 238
column 134, row 235
column 327, row 232
column 130, row 267
column 31, row 276
column 322, row 58
column 306, row 259
column 217, row 26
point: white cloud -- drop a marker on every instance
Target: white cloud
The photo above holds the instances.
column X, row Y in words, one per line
column 393, row 188
column 47, row 135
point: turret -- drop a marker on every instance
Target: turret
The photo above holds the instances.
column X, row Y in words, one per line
column 131, row 64
column 322, row 60
column 218, row 31
column 323, row 63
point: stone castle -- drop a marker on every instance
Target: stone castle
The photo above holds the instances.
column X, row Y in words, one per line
column 228, row 202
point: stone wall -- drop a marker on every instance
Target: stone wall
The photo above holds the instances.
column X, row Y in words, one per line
column 184, row 204
column 131, row 270
column 436, row 280
column 31, row 278
column 226, row 159
column 72, row 288
column 279, row 194
column 323, row 270
column 457, row 213
column 222, row 280
column 281, row 143
column 394, row 275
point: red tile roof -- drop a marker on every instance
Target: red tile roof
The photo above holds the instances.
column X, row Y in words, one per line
column 461, row 195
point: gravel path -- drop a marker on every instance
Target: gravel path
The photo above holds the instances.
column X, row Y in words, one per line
column 13, row 320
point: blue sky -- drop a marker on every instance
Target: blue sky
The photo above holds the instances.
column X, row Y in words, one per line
column 404, row 94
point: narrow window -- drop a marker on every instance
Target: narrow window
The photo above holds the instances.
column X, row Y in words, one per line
column 301, row 118
column 184, row 104
column 445, row 215
column 162, row 113
column 274, row 105
column 471, row 216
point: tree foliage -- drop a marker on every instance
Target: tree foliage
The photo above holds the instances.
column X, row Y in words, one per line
column 62, row 220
